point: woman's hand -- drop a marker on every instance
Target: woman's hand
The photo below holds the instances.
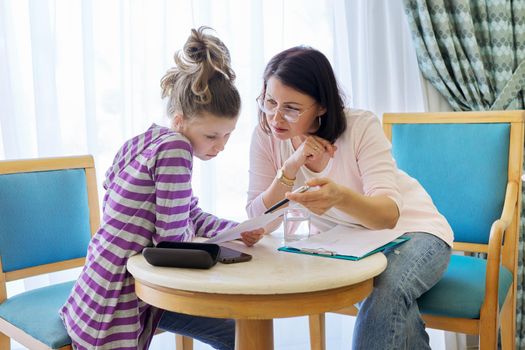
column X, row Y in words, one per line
column 318, row 201
column 374, row 212
column 311, row 149
column 251, row 237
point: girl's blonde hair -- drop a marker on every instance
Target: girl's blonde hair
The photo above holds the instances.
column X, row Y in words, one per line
column 202, row 79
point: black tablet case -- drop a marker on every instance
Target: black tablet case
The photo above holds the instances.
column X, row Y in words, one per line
column 183, row 254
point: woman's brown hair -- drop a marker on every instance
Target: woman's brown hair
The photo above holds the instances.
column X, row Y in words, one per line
column 308, row 70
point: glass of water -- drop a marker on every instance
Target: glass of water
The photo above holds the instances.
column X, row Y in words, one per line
column 296, row 224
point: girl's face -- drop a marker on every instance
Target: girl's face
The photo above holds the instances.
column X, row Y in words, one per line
column 207, row 133
column 288, row 102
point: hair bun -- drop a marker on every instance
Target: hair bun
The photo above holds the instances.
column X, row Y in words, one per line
column 196, row 49
column 203, row 59
column 207, row 53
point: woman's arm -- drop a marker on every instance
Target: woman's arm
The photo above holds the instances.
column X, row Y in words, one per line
column 375, row 212
column 264, row 164
column 378, row 205
column 265, row 189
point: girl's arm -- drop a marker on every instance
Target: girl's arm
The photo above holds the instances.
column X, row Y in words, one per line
column 206, row 224
column 170, row 168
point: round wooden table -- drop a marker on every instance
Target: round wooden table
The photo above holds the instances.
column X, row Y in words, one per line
column 272, row 285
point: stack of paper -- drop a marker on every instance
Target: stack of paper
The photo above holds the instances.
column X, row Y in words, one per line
column 248, row 225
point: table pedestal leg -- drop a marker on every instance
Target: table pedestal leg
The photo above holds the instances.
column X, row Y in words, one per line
column 317, row 332
column 253, row 335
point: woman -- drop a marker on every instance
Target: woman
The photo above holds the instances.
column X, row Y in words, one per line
column 305, row 135
column 149, row 200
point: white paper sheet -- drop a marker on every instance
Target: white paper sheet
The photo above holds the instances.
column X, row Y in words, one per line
column 348, row 241
column 248, row 225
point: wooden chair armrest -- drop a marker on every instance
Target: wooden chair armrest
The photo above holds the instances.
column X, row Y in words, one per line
column 495, row 242
column 511, row 197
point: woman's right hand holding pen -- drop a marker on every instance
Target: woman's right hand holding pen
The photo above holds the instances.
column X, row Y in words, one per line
column 374, row 212
column 327, row 194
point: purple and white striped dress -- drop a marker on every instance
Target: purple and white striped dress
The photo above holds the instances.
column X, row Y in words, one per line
column 148, row 200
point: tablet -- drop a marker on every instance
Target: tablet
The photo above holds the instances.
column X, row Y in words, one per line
column 182, row 254
column 192, row 255
column 230, row 256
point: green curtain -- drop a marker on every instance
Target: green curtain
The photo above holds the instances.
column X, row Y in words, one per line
column 473, row 53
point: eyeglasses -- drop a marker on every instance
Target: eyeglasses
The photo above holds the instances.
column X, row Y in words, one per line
column 270, row 108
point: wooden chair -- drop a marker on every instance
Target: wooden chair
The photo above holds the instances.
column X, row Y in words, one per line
column 183, row 342
column 471, row 165
column 48, row 213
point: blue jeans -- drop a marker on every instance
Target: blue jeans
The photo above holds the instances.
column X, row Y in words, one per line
column 389, row 318
column 217, row 332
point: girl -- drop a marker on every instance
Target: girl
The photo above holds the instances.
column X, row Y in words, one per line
column 307, row 136
column 149, row 200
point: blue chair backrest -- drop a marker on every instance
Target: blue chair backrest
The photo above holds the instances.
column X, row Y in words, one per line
column 44, row 218
column 463, row 167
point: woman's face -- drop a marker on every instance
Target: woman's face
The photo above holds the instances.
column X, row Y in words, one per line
column 208, row 134
column 289, row 102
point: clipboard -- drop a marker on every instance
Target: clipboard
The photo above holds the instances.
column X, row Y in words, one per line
column 333, row 254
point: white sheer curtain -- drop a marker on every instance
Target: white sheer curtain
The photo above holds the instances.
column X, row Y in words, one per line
column 82, row 76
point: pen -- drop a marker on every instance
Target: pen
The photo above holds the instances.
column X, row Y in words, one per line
column 286, row 200
column 318, row 251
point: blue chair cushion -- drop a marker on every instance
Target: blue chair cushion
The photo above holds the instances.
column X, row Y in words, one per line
column 36, row 313
column 461, row 291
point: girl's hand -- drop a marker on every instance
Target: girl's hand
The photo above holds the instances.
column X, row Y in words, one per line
column 318, row 201
column 251, row 237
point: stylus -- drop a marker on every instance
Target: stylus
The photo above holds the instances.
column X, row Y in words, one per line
column 286, row 200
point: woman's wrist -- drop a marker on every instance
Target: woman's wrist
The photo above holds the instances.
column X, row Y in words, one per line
column 290, row 170
column 283, row 179
column 343, row 196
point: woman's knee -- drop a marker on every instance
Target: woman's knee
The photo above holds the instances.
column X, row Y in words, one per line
column 413, row 268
